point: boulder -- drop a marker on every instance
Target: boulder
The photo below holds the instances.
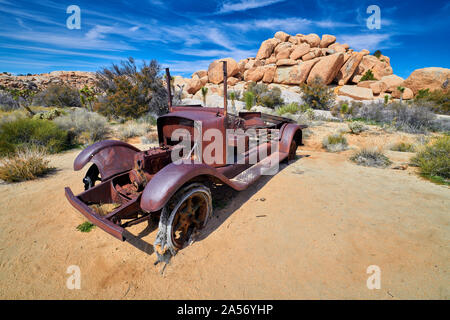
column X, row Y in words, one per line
column 366, row 84
column 378, row 87
column 365, row 52
column 284, row 54
column 266, row 48
column 327, row 68
column 312, row 39
column 231, row 81
column 427, row 78
column 327, row 40
column 299, row 51
column 282, row 36
column 200, row 73
column 408, row 94
column 282, row 46
column 269, row 73
column 296, row 74
column 215, row 70
column 294, row 40
column 254, row 74
column 271, row 60
column 286, row 62
column 357, row 93
column 348, row 69
column 392, row 81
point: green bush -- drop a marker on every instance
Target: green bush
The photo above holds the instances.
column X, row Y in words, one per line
column 131, row 92
column 371, row 158
column 439, row 100
column 368, row 76
column 291, row 108
column 26, row 132
column 434, row 160
column 403, row 147
column 377, row 54
column 249, row 99
column 317, row 95
column 269, row 98
column 56, row 95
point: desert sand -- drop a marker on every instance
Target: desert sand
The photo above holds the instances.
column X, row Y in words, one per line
column 309, row 232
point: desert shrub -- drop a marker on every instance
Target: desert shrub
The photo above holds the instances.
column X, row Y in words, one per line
column 131, row 129
column 7, row 102
column 317, row 95
column 58, row 96
column 346, row 109
column 26, row 132
column 335, row 143
column 412, row 118
column 357, row 127
column 249, row 99
column 368, row 76
column 269, row 98
column 434, row 160
column 131, row 92
column 83, row 126
column 403, row 146
column 371, row 158
column 438, row 100
column 291, row 108
column 25, row 164
column 48, row 115
column 377, row 54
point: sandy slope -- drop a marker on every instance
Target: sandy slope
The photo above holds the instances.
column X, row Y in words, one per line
column 323, row 221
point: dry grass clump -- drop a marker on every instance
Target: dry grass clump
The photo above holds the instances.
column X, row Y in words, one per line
column 151, row 137
column 83, row 126
column 403, row 147
column 24, row 164
column 434, row 160
column 335, row 143
column 103, row 209
column 131, row 129
column 371, row 158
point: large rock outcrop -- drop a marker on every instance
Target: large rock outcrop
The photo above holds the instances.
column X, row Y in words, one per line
column 428, row 78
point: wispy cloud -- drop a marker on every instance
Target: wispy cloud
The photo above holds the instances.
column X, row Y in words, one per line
column 244, row 5
column 370, row 42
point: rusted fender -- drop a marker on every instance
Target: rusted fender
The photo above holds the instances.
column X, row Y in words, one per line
column 288, row 132
column 169, row 179
column 110, row 156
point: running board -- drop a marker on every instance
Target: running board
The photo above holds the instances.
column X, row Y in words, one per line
column 247, row 177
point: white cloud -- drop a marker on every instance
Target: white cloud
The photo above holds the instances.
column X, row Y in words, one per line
column 370, row 42
column 244, row 5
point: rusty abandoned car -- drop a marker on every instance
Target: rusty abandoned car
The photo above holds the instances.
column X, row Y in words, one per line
column 148, row 185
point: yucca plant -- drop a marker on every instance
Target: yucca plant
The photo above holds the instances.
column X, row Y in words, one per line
column 204, row 93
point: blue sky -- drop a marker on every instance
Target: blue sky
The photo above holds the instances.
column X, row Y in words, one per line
column 188, row 35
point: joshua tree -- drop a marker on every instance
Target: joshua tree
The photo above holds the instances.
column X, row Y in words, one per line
column 204, row 93
column 401, row 89
column 87, row 96
column 24, row 97
column 386, row 99
column 233, row 99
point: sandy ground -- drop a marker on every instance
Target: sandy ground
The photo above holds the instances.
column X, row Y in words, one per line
column 309, row 232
